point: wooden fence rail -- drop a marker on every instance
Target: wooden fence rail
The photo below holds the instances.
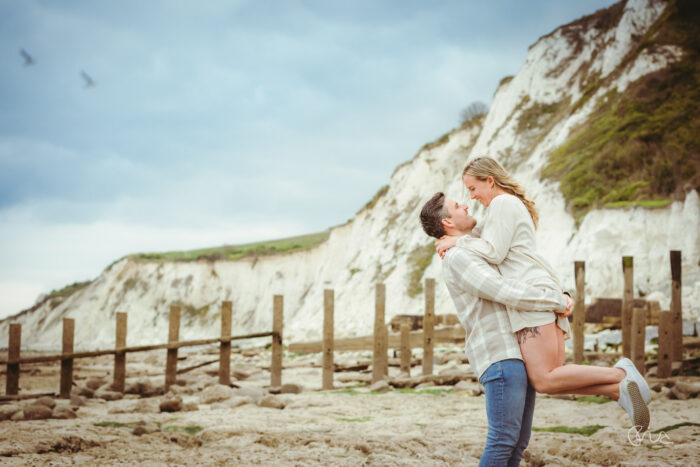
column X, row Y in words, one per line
column 68, row 355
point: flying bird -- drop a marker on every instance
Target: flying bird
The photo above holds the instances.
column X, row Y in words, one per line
column 89, row 82
column 28, row 59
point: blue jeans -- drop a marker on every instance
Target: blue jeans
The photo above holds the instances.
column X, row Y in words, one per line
column 510, row 404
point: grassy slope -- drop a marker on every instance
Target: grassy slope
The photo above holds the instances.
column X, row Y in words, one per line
column 233, row 252
column 641, row 146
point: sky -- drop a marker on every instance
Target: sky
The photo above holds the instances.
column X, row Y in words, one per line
column 225, row 122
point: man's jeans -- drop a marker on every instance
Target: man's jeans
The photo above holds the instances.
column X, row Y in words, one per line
column 510, row 404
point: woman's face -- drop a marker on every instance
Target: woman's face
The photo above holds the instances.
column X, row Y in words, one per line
column 480, row 190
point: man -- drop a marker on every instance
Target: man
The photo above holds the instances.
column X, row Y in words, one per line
column 479, row 293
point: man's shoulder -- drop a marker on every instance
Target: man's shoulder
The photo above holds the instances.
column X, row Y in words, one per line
column 456, row 257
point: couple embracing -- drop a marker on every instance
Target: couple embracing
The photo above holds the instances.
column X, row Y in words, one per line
column 515, row 312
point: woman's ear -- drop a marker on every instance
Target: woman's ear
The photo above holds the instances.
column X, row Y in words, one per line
column 491, row 181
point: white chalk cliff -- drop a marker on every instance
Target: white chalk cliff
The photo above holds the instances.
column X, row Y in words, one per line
column 384, row 241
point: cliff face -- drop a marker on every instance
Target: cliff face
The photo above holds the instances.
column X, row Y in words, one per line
column 533, row 114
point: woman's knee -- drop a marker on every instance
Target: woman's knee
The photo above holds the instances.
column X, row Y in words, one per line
column 542, row 384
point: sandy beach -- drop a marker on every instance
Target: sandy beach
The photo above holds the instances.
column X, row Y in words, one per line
column 348, row 426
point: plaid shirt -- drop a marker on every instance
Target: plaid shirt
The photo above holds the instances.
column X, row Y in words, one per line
column 479, row 293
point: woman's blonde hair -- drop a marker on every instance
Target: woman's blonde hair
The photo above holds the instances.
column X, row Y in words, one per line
column 483, row 167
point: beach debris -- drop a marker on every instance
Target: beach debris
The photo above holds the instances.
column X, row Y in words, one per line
column 215, row 393
column 172, row 404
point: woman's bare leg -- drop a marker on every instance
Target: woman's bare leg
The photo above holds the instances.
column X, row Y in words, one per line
column 608, row 390
column 540, row 349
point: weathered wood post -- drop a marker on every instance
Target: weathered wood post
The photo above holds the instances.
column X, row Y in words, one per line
column 428, row 326
column 627, row 305
column 13, row 354
column 676, row 308
column 225, row 346
column 385, row 363
column 328, row 305
column 120, row 355
column 405, row 349
column 173, row 338
column 379, row 357
column 67, row 359
column 639, row 322
column 277, row 325
column 579, row 310
column 665, row 353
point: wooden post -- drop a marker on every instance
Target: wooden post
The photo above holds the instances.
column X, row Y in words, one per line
column 173, row 337
column 13, row 346
column 405, row 349
column 676, row 308
column 328, row 305
column 67, row 360
column 379, row 357
column 385, row 362
column 627, row 305
column 277, row 325
column 665, row 352
column 639, row 321
column 428, row 325
column 225, row 347
column 579, row 310
column 120, row 357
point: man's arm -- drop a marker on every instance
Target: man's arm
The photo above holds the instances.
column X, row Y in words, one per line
column 475, row 276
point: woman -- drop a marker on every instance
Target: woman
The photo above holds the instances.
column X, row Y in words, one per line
column 507, row 239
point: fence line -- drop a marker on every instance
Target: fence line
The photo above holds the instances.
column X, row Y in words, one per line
column 633, row 321
column 68, row 354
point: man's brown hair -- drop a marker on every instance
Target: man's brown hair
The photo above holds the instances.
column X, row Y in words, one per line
column 432, row 214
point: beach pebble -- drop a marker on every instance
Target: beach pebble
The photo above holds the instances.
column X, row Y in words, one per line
column 380, row 386
column 255, row 393
column 240, row 374
column 271, row 402
column 36, row 412
column 677, row 392
column 94, row 383
column 7, row 411
column 215, row 393
column 473, row 389
column 77, row 400
column 190, row 407
column 145, row 406
column 173, row 404
column 64, row 413
column 661, row 393
column 688, row 387
column 83, row 391
column 237, row 401
column 144, row 428
column 108, row 395
column 291, row 388
column 46, row 401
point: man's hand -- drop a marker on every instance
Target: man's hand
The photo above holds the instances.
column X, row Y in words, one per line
column 444, row 243
column 569, row 307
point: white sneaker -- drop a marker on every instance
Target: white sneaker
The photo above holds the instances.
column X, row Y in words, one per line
column 632, row 401
column 634, row 375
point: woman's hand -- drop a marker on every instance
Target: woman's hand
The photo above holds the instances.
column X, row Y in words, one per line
column 444, row 243
column 569, row 307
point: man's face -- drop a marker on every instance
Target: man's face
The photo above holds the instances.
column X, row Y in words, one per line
column 458, row 217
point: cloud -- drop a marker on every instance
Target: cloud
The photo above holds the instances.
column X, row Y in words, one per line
column 225, row 122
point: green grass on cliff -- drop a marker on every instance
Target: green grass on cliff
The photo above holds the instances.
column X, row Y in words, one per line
column 233, row 252
column 641, row 146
